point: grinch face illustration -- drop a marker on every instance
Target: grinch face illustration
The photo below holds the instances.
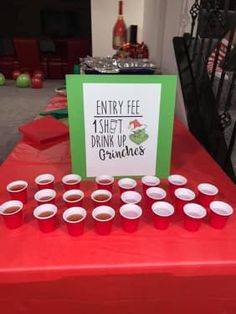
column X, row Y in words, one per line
column 138, row 132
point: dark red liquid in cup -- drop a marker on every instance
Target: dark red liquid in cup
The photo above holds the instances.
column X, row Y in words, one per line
column 45, row 198
column 73, row 198
column 44, row 181
column 103, row 216
column 101, row 198
column 11, row 210
column 17, row 187
column 45, row 214
column 104, row 181
column 74, row 217
column 71, row 181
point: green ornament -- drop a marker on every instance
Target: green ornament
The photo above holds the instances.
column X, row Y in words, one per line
column 23, row 80
column 2, row 79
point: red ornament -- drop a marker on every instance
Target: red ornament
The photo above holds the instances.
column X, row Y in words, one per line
column 36, row 82
column 15, row 74
column 136, row 51
column 39, row 74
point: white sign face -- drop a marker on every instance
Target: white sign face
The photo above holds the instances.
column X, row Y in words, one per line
column 121, row 128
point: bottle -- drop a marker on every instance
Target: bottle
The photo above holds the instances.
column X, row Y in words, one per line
column 132, row 45
column 133, row 34
column 119, row 30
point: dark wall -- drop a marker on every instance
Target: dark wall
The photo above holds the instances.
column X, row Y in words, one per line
column 23, row 17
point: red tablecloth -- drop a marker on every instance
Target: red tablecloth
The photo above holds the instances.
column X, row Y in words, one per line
column 151, row 271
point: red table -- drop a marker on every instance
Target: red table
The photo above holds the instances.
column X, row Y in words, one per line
column 151, row 271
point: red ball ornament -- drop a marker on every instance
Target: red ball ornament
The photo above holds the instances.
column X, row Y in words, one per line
column 39, row 74
column 36, row 82
column 15, row 74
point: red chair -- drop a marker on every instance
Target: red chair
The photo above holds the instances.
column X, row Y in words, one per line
column 56, row 68
column 8, row 61
column 76, row 49
column 68, row 52
column 28, row 54
column 57, row 63
column 8, row 65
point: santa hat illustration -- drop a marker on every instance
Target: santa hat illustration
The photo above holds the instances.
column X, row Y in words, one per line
column 135, row 125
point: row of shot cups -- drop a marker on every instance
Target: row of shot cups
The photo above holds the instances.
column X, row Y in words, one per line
column 103, row 216
column 74, row 217
column 206, row 194
column 12, row 211
column 18, row 189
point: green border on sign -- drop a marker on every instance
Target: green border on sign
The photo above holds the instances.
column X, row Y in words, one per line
column 74, row 86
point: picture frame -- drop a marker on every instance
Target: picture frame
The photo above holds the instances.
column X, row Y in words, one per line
column 121, row 125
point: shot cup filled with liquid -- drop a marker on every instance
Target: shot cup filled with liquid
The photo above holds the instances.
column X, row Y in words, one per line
column 74, row 218
column 103, row 217
column 12, row 213
column 46, row 217
column 18, row 190
column 101, row 197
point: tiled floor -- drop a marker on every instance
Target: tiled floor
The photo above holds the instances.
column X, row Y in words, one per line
column 18, row 106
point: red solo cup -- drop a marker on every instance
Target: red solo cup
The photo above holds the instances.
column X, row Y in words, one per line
column 105, row 182
column 73, row 198
column 149, row 181
column 71, row 181
column 74, row 218
column 45, row 181
column 193, row 216
column 127, row 184
column 103, row 216
column 131, row 197
column 162, row 212
column 46, row 217
column 155, row 194
column 12, row 212
column 130, row 214
column 183, row 196
column 219, row 214
column 206, row 194
column 176, row 181
column 101, row 197
column 18, row 190
column 45, row 196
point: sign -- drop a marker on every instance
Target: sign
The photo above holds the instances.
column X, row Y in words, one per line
column 121, row 124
